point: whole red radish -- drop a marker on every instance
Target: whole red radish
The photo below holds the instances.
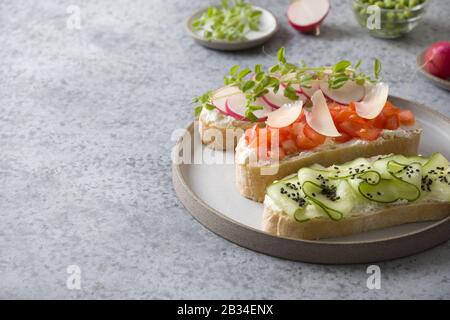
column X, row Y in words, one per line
column 307, row 15
column 437, row 59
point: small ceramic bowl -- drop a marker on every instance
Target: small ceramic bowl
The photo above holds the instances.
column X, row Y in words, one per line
column 442, row 83
column 394, row 23
column 268, row 27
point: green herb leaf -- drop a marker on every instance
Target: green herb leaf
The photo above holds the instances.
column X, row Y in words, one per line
column 209, row 106
column 258, row 68
column 248, row 85
column 243, row 73
column 290, row 93
column 274, row 68
column 377, row 68
column 280, row 55
column 360, row 82
column 250, row 115
column 234, row 69
column 259, row 76
column 197, row 110
column 341, row 66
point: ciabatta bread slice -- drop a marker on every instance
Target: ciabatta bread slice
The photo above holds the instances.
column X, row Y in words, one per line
column 253, row 177
column 278, row 223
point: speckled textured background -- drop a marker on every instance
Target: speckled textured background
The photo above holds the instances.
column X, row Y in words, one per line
column 86, row 118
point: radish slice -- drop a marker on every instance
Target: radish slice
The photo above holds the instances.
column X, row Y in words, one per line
column 308, row 92
column 220, row 96
column 319, row 118
column 276, row 100
column 262, row 113
column 374, row 102
column 295, row 86
column 306, row 15
column 349, row 92
column 285, row 116
column 236, row 106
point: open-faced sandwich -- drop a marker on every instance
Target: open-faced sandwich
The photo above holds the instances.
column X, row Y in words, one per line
column 358, row 196
column 335, row 114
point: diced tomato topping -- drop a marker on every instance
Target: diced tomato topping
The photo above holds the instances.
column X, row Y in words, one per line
column 335, row 105
column 289, row 146
column 297, row 128
column 314, row 136
column 277, row 154
column 392, row 123
column 302, row 116
column 344, row 137
column 406, row 117
column 335, row 109
column 264, row 136
column 379, row 122
column 357, row 119
column 285, row 133
column 352, row 106
column 304, row 143
column 389, row 109
column 250, row 134
column 349, row 127
column 344, row 114
column 369, row 133
column 300, row 136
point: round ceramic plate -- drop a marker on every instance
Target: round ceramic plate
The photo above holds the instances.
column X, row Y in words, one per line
column 268, row 27
column 442, row 83
column 208, row 191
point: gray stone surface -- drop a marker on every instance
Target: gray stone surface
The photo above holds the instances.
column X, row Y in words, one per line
column 86, row 118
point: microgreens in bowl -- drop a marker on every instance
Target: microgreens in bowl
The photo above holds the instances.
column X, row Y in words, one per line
column 228, row 22
column 287, row 74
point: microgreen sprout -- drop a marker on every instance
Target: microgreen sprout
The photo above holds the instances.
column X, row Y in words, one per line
column 288, row 74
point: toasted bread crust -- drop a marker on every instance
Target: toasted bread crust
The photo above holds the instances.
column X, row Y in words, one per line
column 252, row 184
column 280, row 224
column 221, row 138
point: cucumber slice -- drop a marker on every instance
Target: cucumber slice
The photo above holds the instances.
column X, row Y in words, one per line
column 435, row 182
column 389, row 190
column 439, row 189
column 312, row 211
column 410, row 173
column 288, row 196
column 349, row 169
column 380, row 165
column 401, row 180
column 336, row 199
column 317, row 166
column 420, row 159
column 436, row 164
column 371, row 177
